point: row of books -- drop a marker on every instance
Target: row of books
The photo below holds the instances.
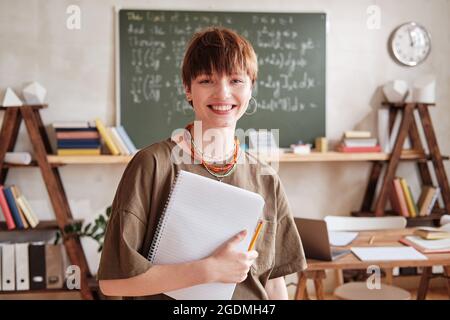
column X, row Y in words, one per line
column 16, row 209
column 358, row 141
column 85, row 137
column 31, row 266
column 403, row 202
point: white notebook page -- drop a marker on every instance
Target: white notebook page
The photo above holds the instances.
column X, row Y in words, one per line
column 201, row 215
column 387, row 253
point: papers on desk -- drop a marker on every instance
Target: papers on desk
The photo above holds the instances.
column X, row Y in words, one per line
column 387, row 253
column 341, row 238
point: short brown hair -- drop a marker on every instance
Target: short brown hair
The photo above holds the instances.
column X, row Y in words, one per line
column 221, row 50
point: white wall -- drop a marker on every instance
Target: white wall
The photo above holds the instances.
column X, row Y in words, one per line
column 77, row 68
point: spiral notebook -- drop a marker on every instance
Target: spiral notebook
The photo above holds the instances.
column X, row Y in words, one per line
column 199, row 216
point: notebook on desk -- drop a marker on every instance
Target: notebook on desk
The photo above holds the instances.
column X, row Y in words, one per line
column 200, row 215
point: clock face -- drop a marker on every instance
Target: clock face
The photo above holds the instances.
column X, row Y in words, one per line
column 410, row 44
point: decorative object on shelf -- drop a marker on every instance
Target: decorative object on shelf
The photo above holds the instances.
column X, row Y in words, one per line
column 396, row 90
column 410, row 44
column 95, row 230
column 10, row 99
column 321, row 144
column 301, row 148
column 18, row 157
column 34, row 93
column 424, row 89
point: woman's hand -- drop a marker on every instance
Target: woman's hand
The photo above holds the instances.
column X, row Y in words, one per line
column 228, row 265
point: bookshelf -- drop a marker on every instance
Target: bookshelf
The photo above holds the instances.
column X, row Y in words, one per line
column 408, row 127
column 12, row 120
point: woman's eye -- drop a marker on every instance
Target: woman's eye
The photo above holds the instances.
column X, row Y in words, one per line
column 205, row 81
column 237, row 81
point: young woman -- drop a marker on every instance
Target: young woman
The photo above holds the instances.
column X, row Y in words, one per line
column 219, row 70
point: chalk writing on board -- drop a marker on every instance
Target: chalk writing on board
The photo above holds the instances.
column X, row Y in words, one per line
column 289, row 90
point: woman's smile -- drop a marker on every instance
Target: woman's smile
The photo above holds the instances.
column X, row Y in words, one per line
column 222, row 109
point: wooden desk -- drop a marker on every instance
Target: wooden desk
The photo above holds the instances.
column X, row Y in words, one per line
column 316, row 268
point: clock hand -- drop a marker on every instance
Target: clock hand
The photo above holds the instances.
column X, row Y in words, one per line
column 411, row 41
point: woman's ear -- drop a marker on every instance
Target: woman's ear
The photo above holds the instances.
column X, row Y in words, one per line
column 187, row 91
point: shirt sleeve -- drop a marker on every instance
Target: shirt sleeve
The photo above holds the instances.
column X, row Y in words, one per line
column 121, row 257
column 123, row 254
column 289, row 254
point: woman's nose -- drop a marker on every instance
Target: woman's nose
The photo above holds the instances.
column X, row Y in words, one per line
column 223, row 90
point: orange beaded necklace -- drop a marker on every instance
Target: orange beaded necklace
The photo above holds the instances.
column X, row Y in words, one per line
column 217, row 171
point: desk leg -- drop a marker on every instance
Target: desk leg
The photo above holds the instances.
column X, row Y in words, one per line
column 389, row 278
column 424, row 282
column 318, row 284
column 301, row 293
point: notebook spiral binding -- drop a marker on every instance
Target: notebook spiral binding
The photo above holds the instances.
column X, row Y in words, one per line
column 161, row 223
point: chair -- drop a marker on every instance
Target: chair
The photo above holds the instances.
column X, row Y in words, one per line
column 359, row 290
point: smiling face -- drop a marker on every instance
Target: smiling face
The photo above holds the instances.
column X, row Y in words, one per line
column 220, row 100
column 219, row 69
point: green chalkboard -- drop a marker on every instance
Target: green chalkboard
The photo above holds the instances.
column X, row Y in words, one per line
column 290, row 88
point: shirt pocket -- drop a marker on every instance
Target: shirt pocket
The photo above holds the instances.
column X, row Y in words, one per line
column 265, row 246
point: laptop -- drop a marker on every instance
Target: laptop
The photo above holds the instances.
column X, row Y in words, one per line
column 314, row 235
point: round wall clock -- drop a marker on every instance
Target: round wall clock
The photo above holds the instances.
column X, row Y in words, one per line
column 410, row 43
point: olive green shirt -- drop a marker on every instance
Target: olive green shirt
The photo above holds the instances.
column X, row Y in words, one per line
column 140, row 199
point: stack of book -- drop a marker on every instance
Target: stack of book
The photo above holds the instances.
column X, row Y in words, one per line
column 358, row 141
column 76, row 138
column 16, row 210
column 403, row 202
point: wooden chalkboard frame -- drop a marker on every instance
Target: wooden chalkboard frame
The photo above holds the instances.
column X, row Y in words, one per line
column 117, row 75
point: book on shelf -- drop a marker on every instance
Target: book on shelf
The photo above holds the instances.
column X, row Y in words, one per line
column 409, row 198
column 106, row 137
column 357, row 134
column 126, row 139
column 22, row 215
column 118, row 141
column 427, row 200
column 345, row 149
column 359, row 142
column 72, row 125
column 13, row 208
column 397, row 198
column 10, row 224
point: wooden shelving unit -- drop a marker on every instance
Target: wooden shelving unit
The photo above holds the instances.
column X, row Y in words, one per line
column 41, row 146
column 42, row 225
column 408, row 127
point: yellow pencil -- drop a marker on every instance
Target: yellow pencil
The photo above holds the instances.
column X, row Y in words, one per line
column 255, row 235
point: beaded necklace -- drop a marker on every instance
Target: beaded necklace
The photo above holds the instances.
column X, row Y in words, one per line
column 218, row 172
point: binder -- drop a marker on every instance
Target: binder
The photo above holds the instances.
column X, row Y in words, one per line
column 8, row 272
column 54, row 266
column 22, row 270
column 36, row 255
column 200, row 215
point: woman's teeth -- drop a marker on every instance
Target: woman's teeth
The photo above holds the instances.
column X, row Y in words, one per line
column 222, row 108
